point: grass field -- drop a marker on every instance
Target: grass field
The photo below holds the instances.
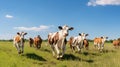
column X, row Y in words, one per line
column 43, row 57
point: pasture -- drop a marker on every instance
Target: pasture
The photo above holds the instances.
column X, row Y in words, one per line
column 32, row 57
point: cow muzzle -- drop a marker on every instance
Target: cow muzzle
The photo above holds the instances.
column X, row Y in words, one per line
column 66, row 35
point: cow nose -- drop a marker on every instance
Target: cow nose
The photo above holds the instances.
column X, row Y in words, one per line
column 66, row 34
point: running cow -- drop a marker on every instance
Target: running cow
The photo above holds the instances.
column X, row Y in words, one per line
column 99, row 42
column 58, row 40
column 77, row 42
column 38, row 42
column 19, row 41
column 31, row 41
column 116, row 43
column 86, row 44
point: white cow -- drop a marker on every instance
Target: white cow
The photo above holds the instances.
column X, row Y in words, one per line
column 58, row 40
column 77, row 41
column 19, row 41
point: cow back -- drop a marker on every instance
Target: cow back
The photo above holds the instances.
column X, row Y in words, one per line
column 53, row 39
column 98, row 40
column 116, row 42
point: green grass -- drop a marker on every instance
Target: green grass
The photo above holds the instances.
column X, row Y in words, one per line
column 43, row 57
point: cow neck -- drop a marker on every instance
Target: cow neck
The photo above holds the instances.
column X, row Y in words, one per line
column 61, row 36
column 103, row 40
column 22, row 40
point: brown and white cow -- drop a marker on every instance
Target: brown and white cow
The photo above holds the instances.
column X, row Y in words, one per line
column 58, row 40
column 116, row 43
column 86, row 44
column 19, row 41
column 38, row 42
column 99, row 42
column 77, row 41
column 31, row 41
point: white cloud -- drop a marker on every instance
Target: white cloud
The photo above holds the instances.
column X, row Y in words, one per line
column 40, row 28
column 103, row 2
column 9, row 16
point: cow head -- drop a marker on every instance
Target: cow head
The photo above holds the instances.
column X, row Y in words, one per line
column 21, row 34
column 104, row 38
column 83, row 35
column 64, row 30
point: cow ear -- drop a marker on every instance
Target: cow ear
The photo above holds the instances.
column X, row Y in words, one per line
column 25, row 33
column 80, row 34
column 71, row 28
column 86, row 34
column 60, row 27
column 18, row 33
column 101, row 37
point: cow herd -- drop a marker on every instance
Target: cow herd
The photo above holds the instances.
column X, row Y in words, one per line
column 58, row 41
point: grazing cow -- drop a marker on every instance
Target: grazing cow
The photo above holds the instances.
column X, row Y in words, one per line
column 116, row 43
column 31, row 41
column 86, row 44
column 99, row 42
column 38, row 42
column 58, row 40
column 78, row 41
column 19, row 42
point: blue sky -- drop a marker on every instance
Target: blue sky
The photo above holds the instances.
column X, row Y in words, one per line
column 39, row 17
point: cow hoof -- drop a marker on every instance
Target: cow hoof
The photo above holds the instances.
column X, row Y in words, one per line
column 58, row 58
column 19, row 52
column 22, row 52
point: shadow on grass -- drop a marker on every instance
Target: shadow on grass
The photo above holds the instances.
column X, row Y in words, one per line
column 70, row 57
column 35, row 57
column 107, row 51
column 94, row 54
column 47, row 50
column 85, row 53
column 89, row 61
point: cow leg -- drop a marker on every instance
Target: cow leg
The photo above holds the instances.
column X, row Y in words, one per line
column 58, row 52
column 102, row 46
column 71, row 47
column 63, row 50
column 95, row 45
column 78, row 47
column 22, row 47
column 99, row 47
column 30, row 45
column 53, row 50
column 18, row 48
column 81, row 45
column 39, row 45
column 86, row 48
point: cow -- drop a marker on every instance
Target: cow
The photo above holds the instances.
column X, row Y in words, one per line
column 38, row 42
column 18, row 41
column 31, row 41
column 57, row 40
column 86, row 44
column 77, row 41
column 99, row 42
column 116, row 43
